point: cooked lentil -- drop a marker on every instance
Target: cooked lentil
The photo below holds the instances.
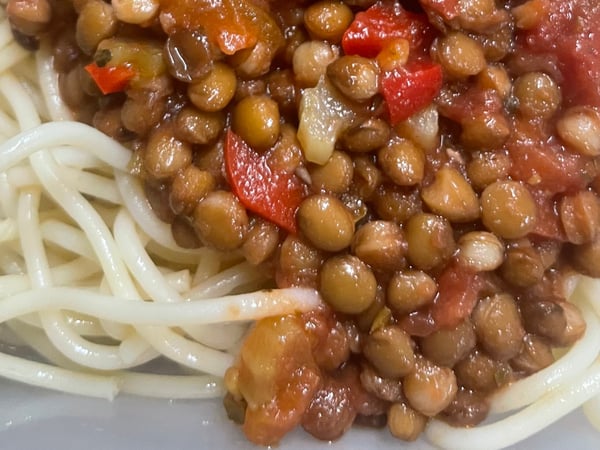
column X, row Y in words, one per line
column 468, row 208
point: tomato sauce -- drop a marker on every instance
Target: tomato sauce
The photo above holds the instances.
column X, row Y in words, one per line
column 568, row 35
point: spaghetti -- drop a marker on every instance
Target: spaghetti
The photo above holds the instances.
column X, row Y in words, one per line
column 74, row 251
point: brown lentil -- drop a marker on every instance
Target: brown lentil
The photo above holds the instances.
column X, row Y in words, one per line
column 261, row 242
column 537, row 95
column 381, row 244
column 507, row 209
column 498, row 326
column 536, row 354
column 29, row 17
column 326, row 222
column 579, row 128
column 523, row 265
column 495, row 77
column 429, row 389
column 299, row 263
column 480, row 373
column 189, row 186
column 347, row 284
column 460, row 55
column 335, row 176
column 214, row 91
column 256, row 120
column 96, row 22
column 390, row 350
column 165, row 155
column 366, row 136
column 448, row 346
column 480, row 251
column 403, row 162
column 327, row 20
column 486, row 167
column 356, row 77
column 198, row 127
column 466, row 410
column 135, row 11
column 451, row 196
column 311, row 59
column 221, row 221
column 586, row 257
column 430, row 240
column 384, row 388
column 404, row 422
column 367, row 177
column 410, row 290
column 580, row 216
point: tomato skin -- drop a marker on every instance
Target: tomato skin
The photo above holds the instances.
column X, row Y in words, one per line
column 269, row 423
column 228, row 23
column 458, row 292
column 567, row 35
column 548, row 224
column 271, row 194
column 277, row 376
column 409, row 89
column 110, row 79
column 383, row 23
column 542, row 162
column 448, row 9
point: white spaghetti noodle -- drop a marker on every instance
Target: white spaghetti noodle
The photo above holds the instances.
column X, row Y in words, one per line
column 86, row 279
column 79, row 281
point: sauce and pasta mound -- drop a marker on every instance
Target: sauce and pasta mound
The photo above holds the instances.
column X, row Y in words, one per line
column 430, row 167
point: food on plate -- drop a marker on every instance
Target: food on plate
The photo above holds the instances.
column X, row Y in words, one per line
column 402, row 195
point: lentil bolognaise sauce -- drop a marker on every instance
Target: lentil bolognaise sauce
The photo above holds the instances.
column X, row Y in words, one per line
column 431, row 167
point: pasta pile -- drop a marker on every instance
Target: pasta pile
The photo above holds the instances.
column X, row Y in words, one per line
column 89, row 278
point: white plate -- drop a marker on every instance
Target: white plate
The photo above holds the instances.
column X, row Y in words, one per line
column 32, row 418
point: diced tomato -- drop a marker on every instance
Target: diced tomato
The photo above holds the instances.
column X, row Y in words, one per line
column 271, row 421
column 271, row 194
column 548, row 224
column 409, row 89
column 228, row 23
column 542, row 162
column 567, row 35
column 277, row 376
column 110, row 79
column 458, row 291
column 383, row 23
column 466, row 106
column 447, row 9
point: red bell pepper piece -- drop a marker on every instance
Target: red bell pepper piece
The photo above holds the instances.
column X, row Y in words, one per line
column 110, row 78
column 411, row 88
column 271, row 194
column 383, row 23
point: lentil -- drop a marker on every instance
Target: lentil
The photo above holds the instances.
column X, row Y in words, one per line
column 480, row 201
column 326, row 222
column 347, row 284
column 508, row 209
